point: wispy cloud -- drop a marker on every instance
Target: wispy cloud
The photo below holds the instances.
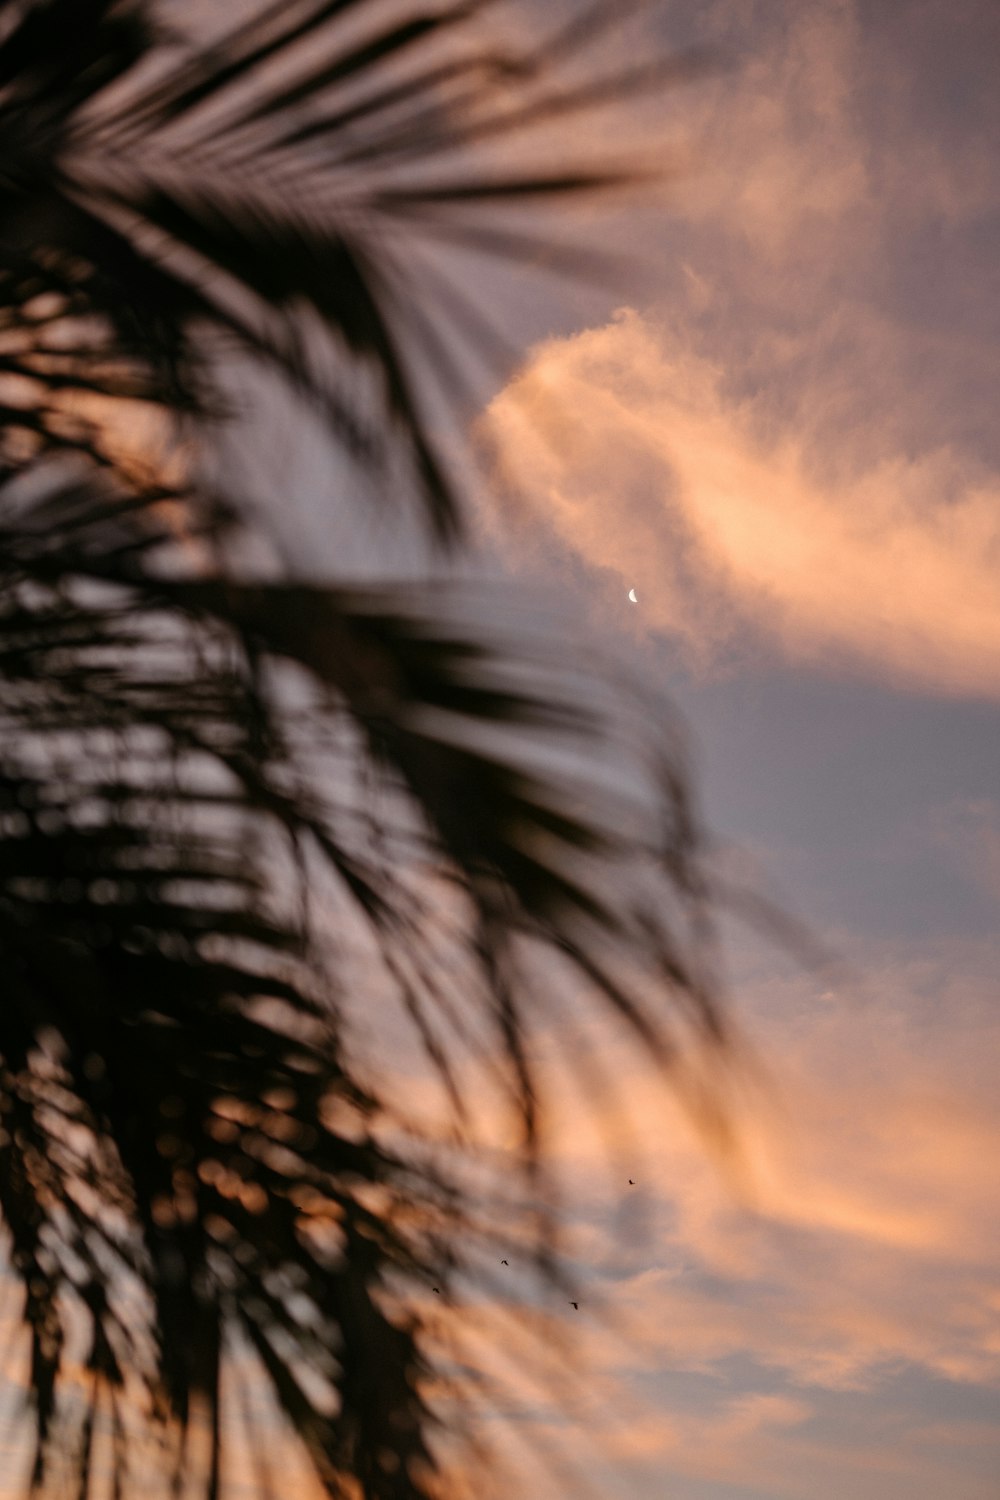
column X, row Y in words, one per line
column 791, row 449
column 723, row 520
column 760, row 1319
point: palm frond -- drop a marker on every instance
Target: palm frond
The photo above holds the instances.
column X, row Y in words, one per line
column 179, row 1120
column 217, row 197
column 164, row 988
column 210, row 785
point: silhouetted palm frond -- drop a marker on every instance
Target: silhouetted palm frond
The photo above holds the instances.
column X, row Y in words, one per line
column 235, row 200
column 183, row 1133
column 210, row 784
column 184, row 1154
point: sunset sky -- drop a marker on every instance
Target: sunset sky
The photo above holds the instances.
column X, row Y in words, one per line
column 783, row 436
column 788, row 445
column 781, row 431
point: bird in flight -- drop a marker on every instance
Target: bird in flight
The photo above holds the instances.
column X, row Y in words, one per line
column 436, row 1290
column 503, row 1262
column 576, row 1305
column 631, row 1182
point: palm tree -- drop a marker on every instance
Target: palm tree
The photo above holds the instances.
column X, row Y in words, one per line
column 209, row 781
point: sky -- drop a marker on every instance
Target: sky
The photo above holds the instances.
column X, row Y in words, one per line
column 780, row 431
column 786, row 443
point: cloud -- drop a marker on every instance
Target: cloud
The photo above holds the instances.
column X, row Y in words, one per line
column 780, row 150
column 775, row 1324
column 859, row 1235
column 792, row 449
column 726, row 1316
column 635, row 454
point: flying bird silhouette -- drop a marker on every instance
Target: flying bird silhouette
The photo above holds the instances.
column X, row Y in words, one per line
column 631, row 1182
column 503, row 1262
column 436, row 1290
column 576, row 1305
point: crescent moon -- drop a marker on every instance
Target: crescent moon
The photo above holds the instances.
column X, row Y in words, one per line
column 631, row 594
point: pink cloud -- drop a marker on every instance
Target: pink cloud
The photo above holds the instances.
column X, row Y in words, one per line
column 632, row 450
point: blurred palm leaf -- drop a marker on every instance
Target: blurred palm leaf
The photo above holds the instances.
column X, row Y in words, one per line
column 178, row 1101
column 192, row 1170
column 263, row 204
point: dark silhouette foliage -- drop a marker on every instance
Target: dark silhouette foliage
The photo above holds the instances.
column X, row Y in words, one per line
column 194, row 1176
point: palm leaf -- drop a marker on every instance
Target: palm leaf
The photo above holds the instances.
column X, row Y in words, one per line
column 153, row 983
column 193, row 1166
column 244, row 228
column 161, row 975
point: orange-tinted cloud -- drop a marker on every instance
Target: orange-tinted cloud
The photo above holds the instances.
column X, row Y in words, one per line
column 858, row 1244
column 792, row 449
column 633, row 451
